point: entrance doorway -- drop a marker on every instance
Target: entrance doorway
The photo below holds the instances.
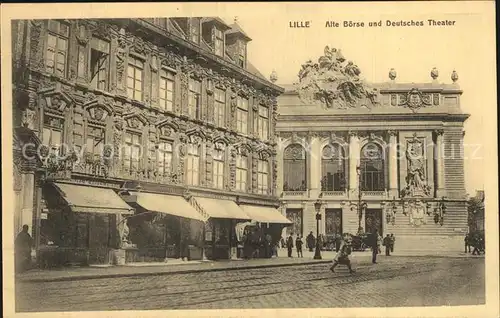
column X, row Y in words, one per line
column 373, row 221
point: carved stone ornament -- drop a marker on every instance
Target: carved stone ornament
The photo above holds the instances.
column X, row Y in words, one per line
column 415, row 99
column 98, row 107
column 55, row 99
column 82, row 36
column 121, row 58
column 28, row 118
column 335, row 83
column 416, row 211
column 394, row 100
column 416, row 179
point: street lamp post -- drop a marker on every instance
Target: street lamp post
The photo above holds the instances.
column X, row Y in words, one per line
column 317, row 207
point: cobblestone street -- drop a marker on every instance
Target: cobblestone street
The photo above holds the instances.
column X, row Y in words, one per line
column 394, row 281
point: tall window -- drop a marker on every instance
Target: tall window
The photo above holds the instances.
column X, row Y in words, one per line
column 194, row 105
column 52, row 133
column 242, row 115
column 219, row 42
column 263, row 122
column 193, row 165
column 95, row 140
column 219, row 107
column 294, row 168
column 164, row 158
column 372, row 168
column 166, row 90
column 57, row 48
column 195, row 30
column 218, row 168
column 241, row 172
column 333, row 221
column 134, row 78
column 99, row 63
column 332, row 168
column 132, row 151
column 263, row 176
column 294, row 215
column 242, row 55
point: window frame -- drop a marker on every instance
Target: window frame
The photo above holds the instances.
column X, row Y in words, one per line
column 106, row 66
column 303, row 165
column 219, row 160
column 338, row 162
column 191, row 173
column 219, row 38
column 91, row 135
column 53, row 148
column 219, row 107
column 242, row 109
column 263, row 122
column 161, row 155
column 131, row 145
column 241, row 173
column 263, row 176
column 195, row 30
column 167, row 76
column 58, row 35
column 135, row 63
column 194, row 111
column 377, row 178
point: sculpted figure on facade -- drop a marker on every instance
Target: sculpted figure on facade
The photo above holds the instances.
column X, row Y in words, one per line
column 416, row 183
column 335, row 83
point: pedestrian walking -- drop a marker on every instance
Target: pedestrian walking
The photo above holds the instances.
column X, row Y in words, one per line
column 387, row 245
column 342, row 256
column 22, row 247
column 289, row 245
column 374, row 246
column 467, row 242
column 310, row 241
column 298, row 245
column 393, row 241
column 379, row 243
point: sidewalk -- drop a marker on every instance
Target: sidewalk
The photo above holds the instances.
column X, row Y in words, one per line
column 179, row 267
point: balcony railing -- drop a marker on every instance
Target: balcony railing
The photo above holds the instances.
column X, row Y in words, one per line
column 374, row 193
column 294, row 193
column 334, row 193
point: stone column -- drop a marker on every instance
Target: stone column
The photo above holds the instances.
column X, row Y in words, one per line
column 393, row 164
column 353, row 161
column 314, row 166
column 279, row 167
column 439, row 153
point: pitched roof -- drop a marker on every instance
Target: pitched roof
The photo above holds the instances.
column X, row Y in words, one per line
column 236, row 29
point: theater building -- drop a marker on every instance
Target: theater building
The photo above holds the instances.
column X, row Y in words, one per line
column 385, row 156
column 154, row 136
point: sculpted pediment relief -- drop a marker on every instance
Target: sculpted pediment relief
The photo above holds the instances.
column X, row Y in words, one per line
column 136, row 121
column 55, row 99
column 335, row 83
column 98, row 107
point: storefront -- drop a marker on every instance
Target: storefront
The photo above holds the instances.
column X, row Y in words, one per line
column 164, row 226
column 220, row 234
column 80, row 225
column 270, row 223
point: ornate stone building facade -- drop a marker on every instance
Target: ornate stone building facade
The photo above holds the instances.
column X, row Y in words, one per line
column 386, row 157
column 168, row 107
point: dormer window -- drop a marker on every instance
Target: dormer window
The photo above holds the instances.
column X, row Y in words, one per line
column 194, row 30
column 242, row 55
column 219, row 42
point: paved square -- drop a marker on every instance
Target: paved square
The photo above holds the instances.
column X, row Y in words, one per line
column 394, row 281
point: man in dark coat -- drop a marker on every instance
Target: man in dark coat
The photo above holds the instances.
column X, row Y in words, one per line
column 310, row 241
column 298, row 244
column 387, row 244
column 393, row 241
column 23, row 245
column 467, row 243
column 289, row 245
column 374, row 245
column 342, row 256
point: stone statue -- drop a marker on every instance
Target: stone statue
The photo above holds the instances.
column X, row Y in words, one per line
column 124, row 234
column 334, row 84
column 415, row 178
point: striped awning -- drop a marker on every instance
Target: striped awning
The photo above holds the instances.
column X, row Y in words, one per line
column 264, row 214
column 164, row 203
column 221, row 209
column 87, row 199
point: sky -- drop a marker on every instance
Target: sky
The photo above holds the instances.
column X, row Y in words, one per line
column 411, row 51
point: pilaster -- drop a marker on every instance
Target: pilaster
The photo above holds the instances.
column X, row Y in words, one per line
column 393, row 164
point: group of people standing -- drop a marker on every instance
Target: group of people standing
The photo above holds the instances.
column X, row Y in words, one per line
column 310, row 243
column 476, row 241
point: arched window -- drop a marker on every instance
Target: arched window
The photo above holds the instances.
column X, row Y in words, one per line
column 294, row 168
column 333, row 168
column 372, row 168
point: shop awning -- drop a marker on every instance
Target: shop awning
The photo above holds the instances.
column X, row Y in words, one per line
column 265, row 214
column 164, row 203
column 221, row 209
column 87, row 199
